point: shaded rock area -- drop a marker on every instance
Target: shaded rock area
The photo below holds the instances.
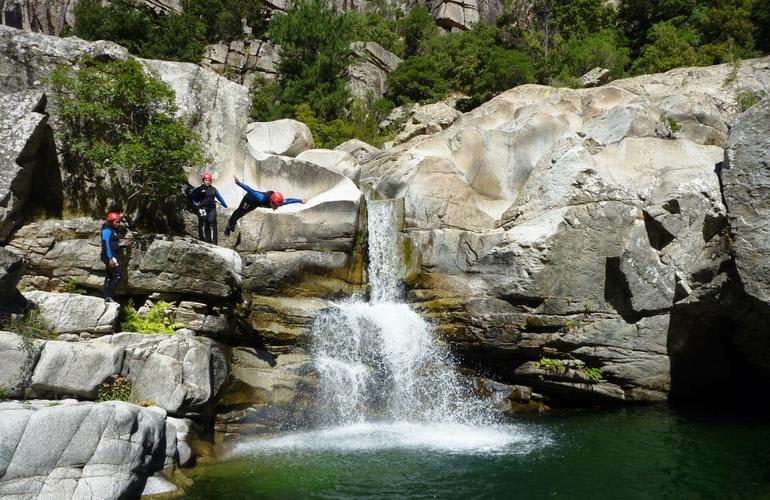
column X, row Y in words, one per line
column 746, row 180
column 11, row 270
column 27, row 152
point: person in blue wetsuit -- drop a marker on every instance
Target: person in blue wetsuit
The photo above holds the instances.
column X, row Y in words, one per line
column 204, row 199
column 254, row 199
column 111, row 246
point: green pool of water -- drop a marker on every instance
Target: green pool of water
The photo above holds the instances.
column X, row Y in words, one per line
column 614, row 454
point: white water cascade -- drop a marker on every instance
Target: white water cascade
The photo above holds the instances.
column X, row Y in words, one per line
column 385, row 381
column 380, row 360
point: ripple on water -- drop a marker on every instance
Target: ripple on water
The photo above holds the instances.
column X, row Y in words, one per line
column 439, row 437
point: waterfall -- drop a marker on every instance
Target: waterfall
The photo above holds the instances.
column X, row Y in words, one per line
column 384, row 256
column 380, row 360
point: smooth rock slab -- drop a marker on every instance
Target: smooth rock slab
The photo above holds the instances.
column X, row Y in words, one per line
column 67, row 449
column 76, row 368
column 74, row 313
column 180, row 373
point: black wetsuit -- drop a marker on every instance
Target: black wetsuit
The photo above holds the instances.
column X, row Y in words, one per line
column 205, row 200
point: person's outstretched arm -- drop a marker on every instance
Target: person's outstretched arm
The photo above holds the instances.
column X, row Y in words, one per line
column 289, row 201
column 219, row 197
column 260, row 196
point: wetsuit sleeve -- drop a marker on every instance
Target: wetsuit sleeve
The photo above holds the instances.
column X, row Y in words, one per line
column 289, row 201
column 219, row 197
column 106, row 235
column 259, row 195
column 195, row 195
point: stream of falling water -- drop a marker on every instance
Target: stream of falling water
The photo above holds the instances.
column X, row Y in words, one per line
column 385, row 381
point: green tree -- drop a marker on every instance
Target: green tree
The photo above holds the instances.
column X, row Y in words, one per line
column 726, row 24
column 119, row 125
column 176, row 38
column 125, row 22
column 670, row 47
column 315, row 53
column 604, row 49
column 760, row 15
column 224, row 19
column 415, row 28
column 417, row 79
column 581, row 18
column 503, row 69
column 375, row 27
column 637, row 17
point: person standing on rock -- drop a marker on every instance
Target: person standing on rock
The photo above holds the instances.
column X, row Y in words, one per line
column 253, row 199
column 204, row 199
column 111, row 246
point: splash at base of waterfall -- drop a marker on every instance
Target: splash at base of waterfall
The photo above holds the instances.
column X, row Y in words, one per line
column 382, row 362
column 379, row 436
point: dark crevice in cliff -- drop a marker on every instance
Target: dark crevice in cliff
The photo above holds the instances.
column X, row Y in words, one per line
column 616, row 290
column 657, row 234
column 710, row 359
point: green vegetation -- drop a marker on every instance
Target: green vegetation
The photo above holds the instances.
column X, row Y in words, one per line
column 119, row 126
column 672, row 123
column 172, row 36
column 29, row 328
column 559, row 367
column 747, row 99
column 592, row 373
column 543, row 41
column 72, row 286
column 155, row 320
column 116, row 388
column 5, row 393
column 552, row 365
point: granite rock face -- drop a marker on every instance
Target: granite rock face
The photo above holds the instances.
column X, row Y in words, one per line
column 69, row 449
column 746, row 179
column 579, row 225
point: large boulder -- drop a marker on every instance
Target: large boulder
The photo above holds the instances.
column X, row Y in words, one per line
column 746, row 179
column 67, row 449
column 185, row 266
column 281, row 137
column 335, row 160
column 67, row 252
column 75, row 368
column 74, row 313
column 180, row 373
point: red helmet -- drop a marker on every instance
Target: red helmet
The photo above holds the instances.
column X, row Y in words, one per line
column 276, row 198
column 206, row 177
column 113, row 216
